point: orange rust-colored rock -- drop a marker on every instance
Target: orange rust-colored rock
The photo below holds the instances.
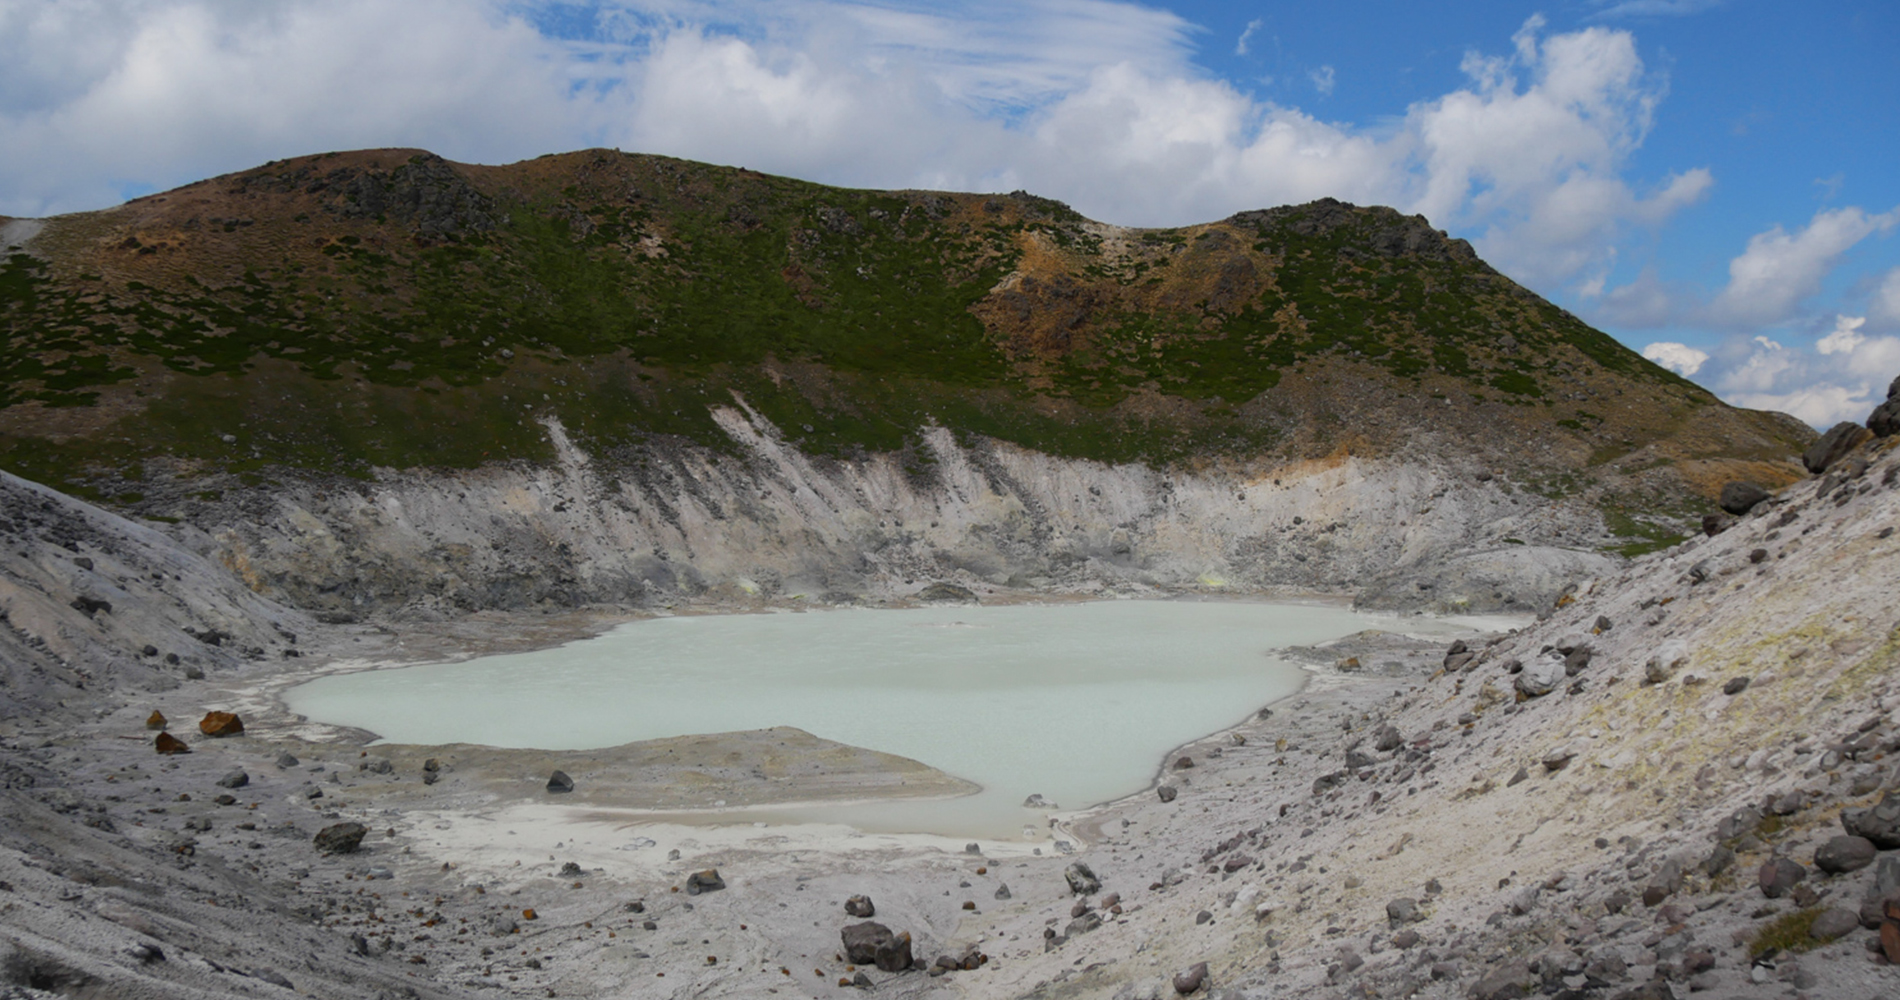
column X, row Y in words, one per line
column 220, row 724
column 167, row 743
column 528, row 914
column 156, row 720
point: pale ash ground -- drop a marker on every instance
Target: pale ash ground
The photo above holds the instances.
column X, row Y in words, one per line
column 1655, row 768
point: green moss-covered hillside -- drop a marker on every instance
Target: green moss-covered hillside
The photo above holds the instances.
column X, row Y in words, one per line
column 344, row 311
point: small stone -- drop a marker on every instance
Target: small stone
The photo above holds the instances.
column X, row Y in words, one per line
column 973, row 848
column 236, row 779
column 340, row 838
column 169, row 744
column 1403, row 910
column 503, row 926
column 221, row 724
column 1183, row 763
column 860, row 907
column 1388, row 739
column 285, row 761
column 156, row 720
column 1735, row 685
column 1406, row 938
column 704, row 881
column 560, row 783
column 1203, row 917
column 1191, row 979
column 1558, row 759
column 1845, row 854
column 1002, row 891
column 1166, row 792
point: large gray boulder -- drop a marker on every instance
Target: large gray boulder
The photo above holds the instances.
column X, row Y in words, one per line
column 1885, row 420
column 1880, row 824
column 1834, row 446
column 1540, row 676
column 1740, row 497
column 1082, row 880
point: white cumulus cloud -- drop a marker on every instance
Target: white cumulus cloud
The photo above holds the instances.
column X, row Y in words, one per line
column 1842, row 378
column 1680, row 358
column 1095, row 102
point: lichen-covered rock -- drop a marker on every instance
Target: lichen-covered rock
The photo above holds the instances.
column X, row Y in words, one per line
column 1081, row 879
column 340, row 838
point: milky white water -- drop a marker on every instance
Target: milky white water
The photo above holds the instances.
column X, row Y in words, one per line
column 1075, row 702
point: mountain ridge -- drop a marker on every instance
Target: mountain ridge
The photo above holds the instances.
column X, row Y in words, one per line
column 335, row 325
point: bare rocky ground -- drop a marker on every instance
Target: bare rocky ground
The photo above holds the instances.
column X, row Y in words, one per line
column 1512, row 820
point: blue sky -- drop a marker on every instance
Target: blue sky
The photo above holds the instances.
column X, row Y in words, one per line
column 1712, row 181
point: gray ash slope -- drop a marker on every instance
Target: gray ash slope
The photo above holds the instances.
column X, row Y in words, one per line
column 1596, row 833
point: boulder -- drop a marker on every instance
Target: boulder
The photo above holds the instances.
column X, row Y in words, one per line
column 285, row 761
column 1778, row 877
column 1736, row 685
column 1388, row 739
column 893, row 955
column 1082, row 924
column 1193, row 978
column 1506, row 982
column 220, row 724
column 1403, row 910
column 1002, row 891
column 1038, row 802
column 340, row 838
column 559, row 782
column 236, row 779
column 1833, row 922
column 1834, row 445
column 861, row 941
column 1668, row 658
column 156, row 720
column 1740, row 497
column 1880, row 824
column 938, row 593
column 1081, row 879
column 861, row 907
column 1357, row 759
column 167, row 743
column 1540, row 677
column 1885, row 420
column 1845, row 854
column 1167, row 792
column 705, row 881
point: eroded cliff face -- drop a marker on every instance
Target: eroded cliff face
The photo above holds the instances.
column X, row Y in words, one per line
column 677, row 523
